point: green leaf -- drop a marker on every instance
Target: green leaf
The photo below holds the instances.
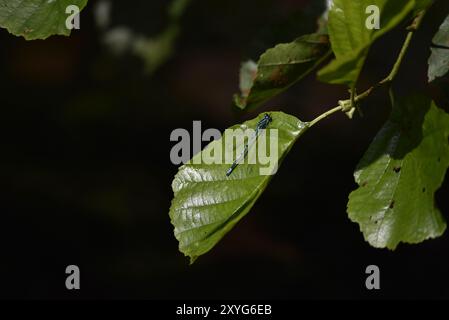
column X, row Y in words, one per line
column 36, row 19
column 399, row 175
column 207, row 204
column 351, row 39
column 439, row 59
column 279, row 68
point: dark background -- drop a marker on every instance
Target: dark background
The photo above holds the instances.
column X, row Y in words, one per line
column 85, row 164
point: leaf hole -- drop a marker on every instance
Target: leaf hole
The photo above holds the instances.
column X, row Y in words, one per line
column 397, row 169
column 392, row 203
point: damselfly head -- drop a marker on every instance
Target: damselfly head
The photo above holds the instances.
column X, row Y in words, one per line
column 267, row 117
column 265, row 121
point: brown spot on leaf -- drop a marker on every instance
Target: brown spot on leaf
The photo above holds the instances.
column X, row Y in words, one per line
column 323, row 38
column 246, row 92
column 277, row 78
column 254, row 74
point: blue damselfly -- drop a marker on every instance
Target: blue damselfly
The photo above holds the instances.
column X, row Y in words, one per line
column 262, row 124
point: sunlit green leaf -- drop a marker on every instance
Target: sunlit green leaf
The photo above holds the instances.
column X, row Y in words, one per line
column 439, row 59
column 399, row 175
column 36, row 19
column 207, row 203
column 351, row 38
column 279, row 68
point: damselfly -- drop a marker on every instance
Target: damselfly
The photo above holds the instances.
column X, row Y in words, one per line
column 262, row 124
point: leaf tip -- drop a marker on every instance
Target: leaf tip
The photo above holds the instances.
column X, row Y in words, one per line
column 239, row 101
column 192, row 260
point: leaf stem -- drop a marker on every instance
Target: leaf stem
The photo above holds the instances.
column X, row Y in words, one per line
column 324, row 115
column 347, row 105
column 411, row 31
column 394, row 71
